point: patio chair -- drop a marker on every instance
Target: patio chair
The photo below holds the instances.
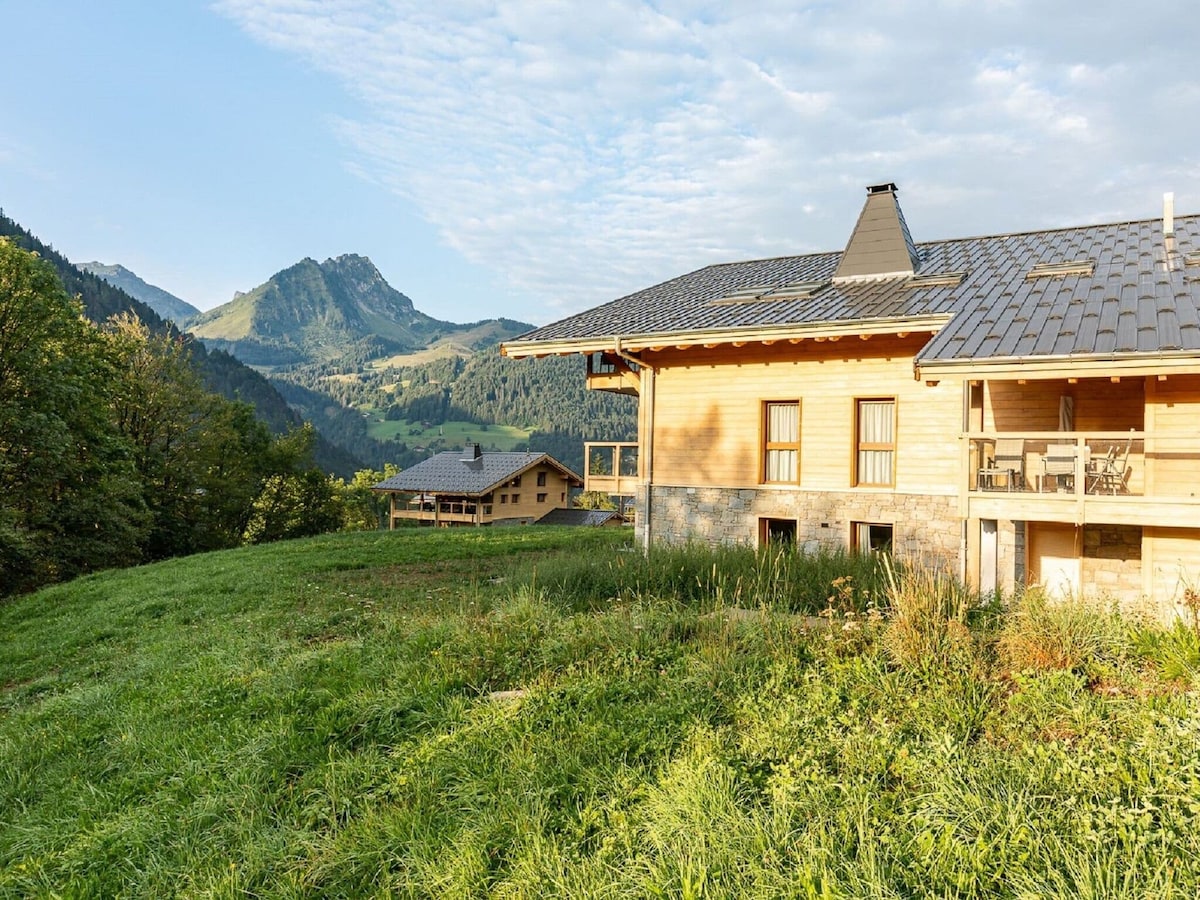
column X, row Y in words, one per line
column 1007, row 462
column 1112, row 473
column 1059, row 464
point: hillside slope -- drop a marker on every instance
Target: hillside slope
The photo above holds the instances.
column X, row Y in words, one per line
column 162, row 302
column 538, row 712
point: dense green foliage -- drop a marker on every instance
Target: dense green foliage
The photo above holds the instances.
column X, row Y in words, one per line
column 111, row 448
column 539, row 713
column 70, row 500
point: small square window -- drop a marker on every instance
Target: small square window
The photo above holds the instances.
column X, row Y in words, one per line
column 871, row 537
column 504, row 498
column 516, row 498
column 541, row 498
column 777, row 532
column 541, row 479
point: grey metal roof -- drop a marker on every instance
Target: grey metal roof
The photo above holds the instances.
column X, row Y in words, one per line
column 581, row 517
column 1140, row 298
column 450, row 473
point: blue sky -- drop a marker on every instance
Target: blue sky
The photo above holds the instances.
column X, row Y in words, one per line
column 530, row 159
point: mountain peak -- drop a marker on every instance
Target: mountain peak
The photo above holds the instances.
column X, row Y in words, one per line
column 340, row 309
column 162, row 302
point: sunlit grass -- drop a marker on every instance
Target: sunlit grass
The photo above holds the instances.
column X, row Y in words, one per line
column 543, row 713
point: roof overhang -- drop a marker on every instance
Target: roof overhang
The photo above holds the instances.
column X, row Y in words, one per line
column 634, row 343
column 1166, row 362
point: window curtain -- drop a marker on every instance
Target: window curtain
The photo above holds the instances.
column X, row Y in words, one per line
column 876, row 425
column 783, row 427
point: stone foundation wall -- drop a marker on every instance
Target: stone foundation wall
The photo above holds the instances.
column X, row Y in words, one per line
column 922, row 525
column 1112, row 559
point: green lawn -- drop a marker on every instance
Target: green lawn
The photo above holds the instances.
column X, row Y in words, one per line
column 318, row 718
column 498, row 437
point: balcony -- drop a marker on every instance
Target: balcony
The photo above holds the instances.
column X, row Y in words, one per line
column 1129, row 477
column 443, row 511
column 612, row 467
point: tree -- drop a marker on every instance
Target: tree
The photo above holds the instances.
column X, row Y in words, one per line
column 202, row 459
column 365, row 509
column 70, row 500
column 294, row 505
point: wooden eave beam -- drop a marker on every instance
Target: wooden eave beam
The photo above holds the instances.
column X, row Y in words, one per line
column 1105, row 368
column 741, row 336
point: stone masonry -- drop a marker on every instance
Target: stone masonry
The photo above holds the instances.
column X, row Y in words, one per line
column 923, row 525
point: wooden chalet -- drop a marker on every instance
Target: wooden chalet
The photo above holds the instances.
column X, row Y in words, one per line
column 471, row 487
column 1023, row 406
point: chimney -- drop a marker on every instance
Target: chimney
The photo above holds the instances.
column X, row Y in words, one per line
column 1169, row 213
column 471, row 452
column 880, row 246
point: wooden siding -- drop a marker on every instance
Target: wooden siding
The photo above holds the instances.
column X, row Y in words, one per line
column 1173, row 407
column 1100, row 405
column 708, row 418
column 1170, row 564
column 527, row 506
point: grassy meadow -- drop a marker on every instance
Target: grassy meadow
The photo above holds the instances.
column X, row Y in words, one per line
column 447, row 434
column 542, row 712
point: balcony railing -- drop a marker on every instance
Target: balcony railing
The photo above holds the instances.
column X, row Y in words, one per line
column 612, row 467
column 437, row 510
column 1085, row 464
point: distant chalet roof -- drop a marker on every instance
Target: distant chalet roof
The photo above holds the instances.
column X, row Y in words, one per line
column 1135, row 292
column 450, row 473
column 580, row 517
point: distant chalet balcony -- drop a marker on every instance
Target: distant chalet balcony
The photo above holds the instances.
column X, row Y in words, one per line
column 1130, row 477
column 611, row 467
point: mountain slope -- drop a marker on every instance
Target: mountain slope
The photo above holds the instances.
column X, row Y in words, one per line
column 222, row 373
column 340, row 310
column 162, row 302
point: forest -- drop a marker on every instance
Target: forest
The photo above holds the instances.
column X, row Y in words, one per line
column 114, row 450
column 548, row 397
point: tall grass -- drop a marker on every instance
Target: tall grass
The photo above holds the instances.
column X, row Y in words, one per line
column 540, row 713
column 781, row 579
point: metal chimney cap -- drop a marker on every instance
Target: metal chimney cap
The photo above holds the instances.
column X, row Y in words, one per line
column 886, row 188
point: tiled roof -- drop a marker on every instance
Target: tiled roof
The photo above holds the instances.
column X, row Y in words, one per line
column 450, row 473
column 1141, row 297
column 581, row 517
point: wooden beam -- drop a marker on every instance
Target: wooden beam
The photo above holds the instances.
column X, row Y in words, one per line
column 795, row 340
column 864, row 337
column 738, row 343
column 1072, row 381
column 1115, row 379
column 768, row 343
column 710, row 346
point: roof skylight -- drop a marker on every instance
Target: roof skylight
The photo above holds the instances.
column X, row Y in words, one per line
column 798, row 290
column 1060, row 269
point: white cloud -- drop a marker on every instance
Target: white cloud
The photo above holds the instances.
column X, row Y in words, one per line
column 585, row 150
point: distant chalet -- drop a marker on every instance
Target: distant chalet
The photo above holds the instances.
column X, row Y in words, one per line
column 470, row 487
